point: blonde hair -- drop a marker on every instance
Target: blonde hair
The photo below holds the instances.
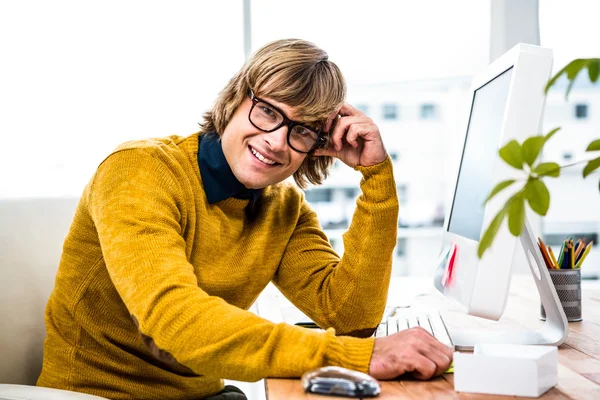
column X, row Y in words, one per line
column 294, row 72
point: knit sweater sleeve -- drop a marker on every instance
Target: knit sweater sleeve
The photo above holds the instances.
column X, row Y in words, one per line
column 137, row 207
column 348, row 294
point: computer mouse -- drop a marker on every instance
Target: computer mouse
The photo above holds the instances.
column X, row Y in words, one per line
column 338, row 381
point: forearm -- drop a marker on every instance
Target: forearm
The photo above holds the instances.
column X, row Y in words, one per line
column 214, row 338
column 368, row 249
column 348, row 294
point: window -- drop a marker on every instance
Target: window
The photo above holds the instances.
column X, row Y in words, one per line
column 581, row 111
column 333, row 243
column 341, row 224
column 363, row 107
column 390, row 111
column 402, row 193
column 428, row 111
column 321, row 195
column 566, row 30
column 556, row 239
column 401, row 247
column 351, row 193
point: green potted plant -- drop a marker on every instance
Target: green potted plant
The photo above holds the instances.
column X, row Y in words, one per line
column 524, row 156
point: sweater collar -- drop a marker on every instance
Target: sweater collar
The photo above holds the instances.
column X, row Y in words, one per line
column 217, row 178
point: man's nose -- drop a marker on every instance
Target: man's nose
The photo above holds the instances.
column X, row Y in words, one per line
column 278, row 138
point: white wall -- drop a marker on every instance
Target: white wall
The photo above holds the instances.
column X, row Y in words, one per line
column 77, row 78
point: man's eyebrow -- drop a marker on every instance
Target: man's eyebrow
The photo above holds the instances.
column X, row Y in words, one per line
column 308, row 121
column 316, row 125
column 297, row 115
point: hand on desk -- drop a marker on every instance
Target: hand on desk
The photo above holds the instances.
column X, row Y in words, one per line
column 414, row 350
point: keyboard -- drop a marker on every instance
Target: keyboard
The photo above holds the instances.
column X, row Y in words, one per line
column 405, row 318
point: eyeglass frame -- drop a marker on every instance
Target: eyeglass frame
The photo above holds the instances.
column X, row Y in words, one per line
column 286, row 121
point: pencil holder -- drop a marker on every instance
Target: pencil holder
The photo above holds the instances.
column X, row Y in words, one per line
column 568, row 287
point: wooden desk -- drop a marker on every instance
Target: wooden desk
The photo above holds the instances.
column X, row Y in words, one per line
column 579, row 356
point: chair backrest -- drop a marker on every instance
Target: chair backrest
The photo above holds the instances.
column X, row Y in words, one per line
column 32, row 232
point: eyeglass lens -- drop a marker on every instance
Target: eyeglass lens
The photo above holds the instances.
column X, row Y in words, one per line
column 267, row 118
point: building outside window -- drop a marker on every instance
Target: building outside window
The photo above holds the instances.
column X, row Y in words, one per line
column 333, row 242
column 363, row 107
column 401, row 247
column 581, row 111
column 402, row 193
column 319, row 195
column 556, row 239
column 351, row 192
column 390, row 111
column 428, row 111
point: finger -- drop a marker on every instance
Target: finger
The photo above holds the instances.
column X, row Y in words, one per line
column 448, row 351
column 359, row 130
column 439, row 346
column 439, row 358
column 436, row 351
column 331, row 121
column 349, row 110
column 354, row 132
column 340, row 129
column 326, row 152
column 423, row 367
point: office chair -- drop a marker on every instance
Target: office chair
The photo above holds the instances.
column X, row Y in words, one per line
column 32, row 232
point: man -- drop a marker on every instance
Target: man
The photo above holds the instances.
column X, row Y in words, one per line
column 175, row 238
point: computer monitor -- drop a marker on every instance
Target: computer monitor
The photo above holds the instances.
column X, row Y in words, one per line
column 507, row 102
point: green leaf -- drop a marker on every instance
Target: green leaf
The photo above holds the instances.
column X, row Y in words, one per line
column 591, row 167
column 490, row 232
column 571, row 70
column 571, row 83
column 499, row 187
column 594, row 69
column 547, row 169
column 594, row 146
column 516, row 214
column 553, row 80
column 551, row 133
column 538, row 196
column 575, row 67
column 511, row 154
column 531, row 148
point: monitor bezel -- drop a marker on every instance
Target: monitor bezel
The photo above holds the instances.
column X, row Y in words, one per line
column 464, row 147
column 484, row 283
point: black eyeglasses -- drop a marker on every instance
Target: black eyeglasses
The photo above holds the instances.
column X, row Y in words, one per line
column 268, row 118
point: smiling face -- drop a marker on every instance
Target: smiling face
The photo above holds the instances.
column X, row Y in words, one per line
column 258, row 158
column 309, row 89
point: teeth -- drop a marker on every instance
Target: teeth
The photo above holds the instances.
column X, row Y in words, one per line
column 261, row 157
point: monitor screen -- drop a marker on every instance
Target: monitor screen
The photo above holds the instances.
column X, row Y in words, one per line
column 480, row 152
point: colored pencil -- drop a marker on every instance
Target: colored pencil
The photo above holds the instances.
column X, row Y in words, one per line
column 561, row 254
column 580, row 249
column 544, row 254
column 588, row 248
column 553, row 257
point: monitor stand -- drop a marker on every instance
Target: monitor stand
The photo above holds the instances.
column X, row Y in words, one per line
column 555, row 329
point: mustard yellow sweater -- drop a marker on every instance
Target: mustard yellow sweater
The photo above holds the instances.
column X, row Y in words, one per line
column 154, row 284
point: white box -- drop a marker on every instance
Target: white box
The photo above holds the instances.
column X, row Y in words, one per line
column 506, row 369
